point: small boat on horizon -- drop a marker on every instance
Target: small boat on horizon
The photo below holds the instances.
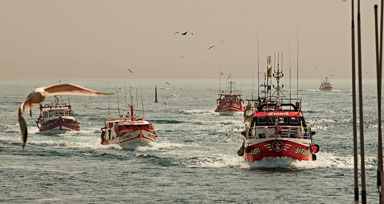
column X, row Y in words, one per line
column 326, row 85
column 57, row 115
column 229, row 103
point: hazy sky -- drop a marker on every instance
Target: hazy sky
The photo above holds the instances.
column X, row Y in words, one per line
column 81, row 39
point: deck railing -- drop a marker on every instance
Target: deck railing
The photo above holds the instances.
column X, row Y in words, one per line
column 260, row 132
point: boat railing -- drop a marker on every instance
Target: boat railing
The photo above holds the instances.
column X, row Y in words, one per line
column 261, row 132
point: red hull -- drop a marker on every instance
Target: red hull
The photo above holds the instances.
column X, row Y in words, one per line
column 277, row 148
column 59, row 123
column 230, row 106
column 326, row 88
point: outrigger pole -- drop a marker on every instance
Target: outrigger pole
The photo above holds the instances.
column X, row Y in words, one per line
column 220, row 79
column 258, row 68
column 117, row 94
column 290, row 82
column 379, row 79
column 297, row 64
column 125, row 91
column 355, row 154
column 361, row 112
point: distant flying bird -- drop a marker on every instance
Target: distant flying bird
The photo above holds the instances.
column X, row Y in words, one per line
column 221, row 73
column 186, row 32
column 167, row 83
column 38, row 96
column 212, row 46
column 183, row 33
column 130, row 70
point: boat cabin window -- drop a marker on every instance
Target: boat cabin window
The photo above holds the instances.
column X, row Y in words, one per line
column 61, row 113
column 263, row 121
column 56, row 113
column 50, row 114
column 294, row 121
column 271, row 120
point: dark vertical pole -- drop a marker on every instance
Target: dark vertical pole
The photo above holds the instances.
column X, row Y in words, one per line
column 378, row 78
column 156, row 94
column 381, row 76
column 297, row 66
column 362, row 156
column 355, row 156
column 290, row 81
column 258, row 68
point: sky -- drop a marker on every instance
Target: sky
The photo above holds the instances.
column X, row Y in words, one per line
column 98, row 39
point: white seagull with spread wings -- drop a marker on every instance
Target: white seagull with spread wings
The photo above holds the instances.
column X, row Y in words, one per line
column 38, row 96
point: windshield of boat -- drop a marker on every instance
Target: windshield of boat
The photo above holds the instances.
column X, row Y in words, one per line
column 272, row 121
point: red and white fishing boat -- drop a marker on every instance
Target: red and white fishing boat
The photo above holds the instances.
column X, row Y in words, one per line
column 229, row 103
column 57, row 116
column 326, row 85
column 126, row 131
column 278, row 129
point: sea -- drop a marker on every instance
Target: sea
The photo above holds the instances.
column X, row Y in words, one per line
column 194, row 159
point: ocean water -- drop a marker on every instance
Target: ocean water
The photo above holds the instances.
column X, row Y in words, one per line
column 194, row 159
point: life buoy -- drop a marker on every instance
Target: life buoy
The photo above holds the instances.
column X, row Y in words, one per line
column 315, row 148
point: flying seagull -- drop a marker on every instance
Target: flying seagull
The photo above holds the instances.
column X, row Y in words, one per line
column 212, row 46
column 130, row 70
column 168, row 83
column 38, row 96
column 184, row 33
column 176, row 32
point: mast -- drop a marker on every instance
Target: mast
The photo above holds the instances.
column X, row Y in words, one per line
column 130, row 95
column 117, row 98
column 278, row 74
column 220, row 79
column 297, row 65
column 131, row 106
column 137, row 96
column 267, row 76
column 258, row 68
column 290, row 81
column 230, row 83
column 125, row 93
column 108, row 106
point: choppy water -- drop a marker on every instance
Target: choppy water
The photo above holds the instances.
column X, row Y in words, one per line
column 194, row 158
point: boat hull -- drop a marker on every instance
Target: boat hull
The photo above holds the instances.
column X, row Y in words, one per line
column 59, row 124
column 277, row 148
column 229, row 108
column 131, row 137
column 326, row 88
